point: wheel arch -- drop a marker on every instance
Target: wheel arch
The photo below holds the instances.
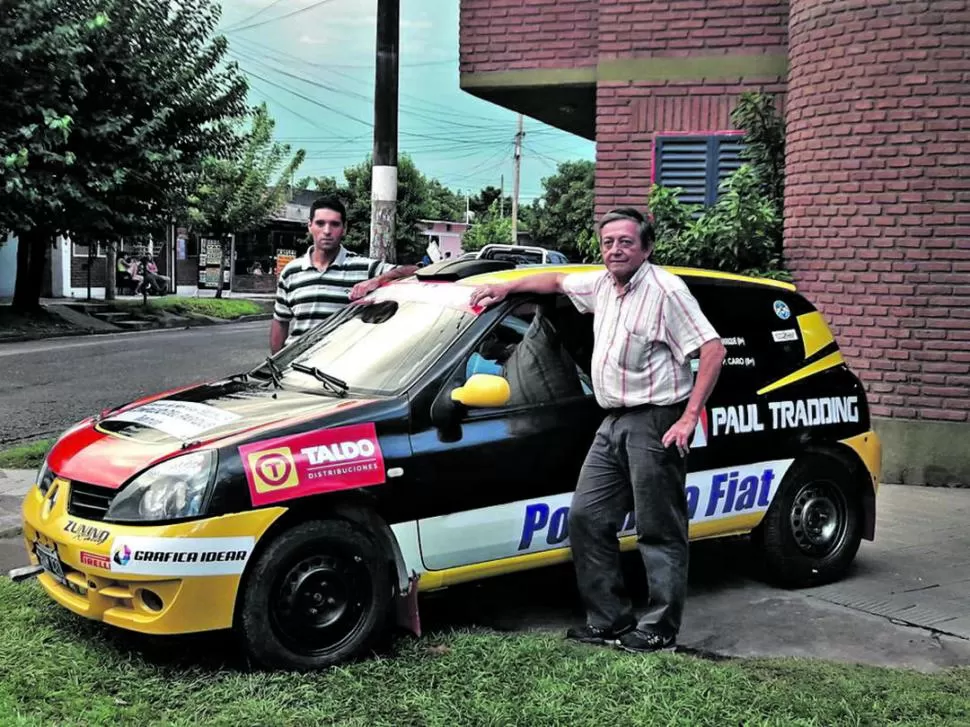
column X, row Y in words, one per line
column 865, row 481
column 352, row 506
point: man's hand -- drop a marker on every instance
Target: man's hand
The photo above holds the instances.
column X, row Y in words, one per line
column 680, row 433
column 362, row 289
column 487, row 295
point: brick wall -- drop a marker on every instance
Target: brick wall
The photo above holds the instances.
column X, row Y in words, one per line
column 504, row 35
column 877, row 225
column 628, row 114
column 690, row 27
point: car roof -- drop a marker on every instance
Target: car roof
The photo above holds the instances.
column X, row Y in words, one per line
column 524, row 271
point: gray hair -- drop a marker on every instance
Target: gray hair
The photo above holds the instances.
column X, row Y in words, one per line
column 644, row 226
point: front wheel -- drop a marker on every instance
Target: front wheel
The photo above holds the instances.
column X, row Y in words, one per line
column 318, row 595
column 813, row 529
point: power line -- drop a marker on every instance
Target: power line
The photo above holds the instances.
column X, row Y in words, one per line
column 279, row 17
column 251, row 17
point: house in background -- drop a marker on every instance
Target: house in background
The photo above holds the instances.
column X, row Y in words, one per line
column 447, row 234
column 877, row 205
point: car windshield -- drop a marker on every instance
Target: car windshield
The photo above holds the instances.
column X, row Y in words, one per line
column 378, row 347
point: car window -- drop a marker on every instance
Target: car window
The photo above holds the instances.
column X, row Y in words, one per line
column 530, row 347
column 377, row 348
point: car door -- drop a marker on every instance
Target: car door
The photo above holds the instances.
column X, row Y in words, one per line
column 497, row 485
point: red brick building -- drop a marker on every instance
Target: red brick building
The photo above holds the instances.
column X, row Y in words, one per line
column 876, row 98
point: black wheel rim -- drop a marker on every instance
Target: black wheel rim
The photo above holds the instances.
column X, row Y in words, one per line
column 819, row 518
column 321, row 601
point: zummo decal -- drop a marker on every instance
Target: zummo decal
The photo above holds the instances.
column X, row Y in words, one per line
column 711, row 495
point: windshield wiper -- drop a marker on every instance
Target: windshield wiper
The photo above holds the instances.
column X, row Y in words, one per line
column 337, row 386
column 274, row 373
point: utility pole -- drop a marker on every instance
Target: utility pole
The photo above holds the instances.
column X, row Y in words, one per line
column 501, row 198
column 515, row 184
column 384, row 171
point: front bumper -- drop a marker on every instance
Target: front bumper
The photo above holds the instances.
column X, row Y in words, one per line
column 172, row 582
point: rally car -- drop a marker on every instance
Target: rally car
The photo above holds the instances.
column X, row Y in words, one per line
column 413, row 442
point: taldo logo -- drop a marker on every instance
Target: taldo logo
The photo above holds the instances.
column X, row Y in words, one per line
column 273, row 469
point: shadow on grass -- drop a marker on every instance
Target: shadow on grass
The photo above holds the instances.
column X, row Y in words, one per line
column 545, row 600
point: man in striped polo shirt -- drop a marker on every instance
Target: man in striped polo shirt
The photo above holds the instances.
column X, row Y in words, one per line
column 646, row 328
column 313, row 287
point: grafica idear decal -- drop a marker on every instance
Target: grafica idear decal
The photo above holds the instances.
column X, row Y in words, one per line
column 305, row 464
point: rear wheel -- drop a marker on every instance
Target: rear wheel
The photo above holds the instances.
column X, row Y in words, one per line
column 812, row 531
column 318, row 595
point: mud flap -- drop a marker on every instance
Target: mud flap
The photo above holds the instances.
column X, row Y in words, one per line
column 408, row 617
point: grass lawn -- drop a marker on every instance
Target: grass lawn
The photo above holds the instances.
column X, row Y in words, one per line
column 59, row 669
column 227, row 308
column 25, row 456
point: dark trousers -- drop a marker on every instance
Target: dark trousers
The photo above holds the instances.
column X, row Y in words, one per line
column 628, row 468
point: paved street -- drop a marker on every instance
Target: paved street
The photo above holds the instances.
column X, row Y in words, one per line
column 46, row 386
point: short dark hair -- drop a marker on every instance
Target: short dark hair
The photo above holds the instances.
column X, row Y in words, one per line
column 644, row 225
column 329, row 203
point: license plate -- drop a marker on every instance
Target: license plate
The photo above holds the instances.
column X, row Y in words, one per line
column 50, row 562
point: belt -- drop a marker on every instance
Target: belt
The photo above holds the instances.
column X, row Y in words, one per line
column 621, row 410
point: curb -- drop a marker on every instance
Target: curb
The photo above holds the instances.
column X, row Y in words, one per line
column 199, row 323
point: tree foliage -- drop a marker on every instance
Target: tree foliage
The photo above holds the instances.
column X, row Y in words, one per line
column 418, row 198
column 237, row 193
column 490, row 228
column 563, row 217
column 108, row 111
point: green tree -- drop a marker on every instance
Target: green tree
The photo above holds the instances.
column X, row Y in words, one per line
column 490, row 228
column 238, row 193
column 564, row 214
column 481, row 203
column 418, row 198
column 109, row 109
column 764, row 151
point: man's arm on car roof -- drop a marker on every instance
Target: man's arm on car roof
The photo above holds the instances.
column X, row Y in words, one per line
column 487, row 295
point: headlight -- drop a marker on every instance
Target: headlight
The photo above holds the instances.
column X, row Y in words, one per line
column 45, row 476
column 173, row 489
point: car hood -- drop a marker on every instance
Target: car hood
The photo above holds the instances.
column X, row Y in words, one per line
column 110, row 449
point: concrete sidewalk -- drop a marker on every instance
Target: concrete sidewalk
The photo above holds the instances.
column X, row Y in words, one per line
column 13, row 486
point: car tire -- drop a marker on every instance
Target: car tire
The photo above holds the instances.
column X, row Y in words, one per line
column 813, row 528
column 319, row 594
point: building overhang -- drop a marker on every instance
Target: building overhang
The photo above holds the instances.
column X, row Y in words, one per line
column 566, row 97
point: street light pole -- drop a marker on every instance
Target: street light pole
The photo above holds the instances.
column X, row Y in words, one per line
column 384, row 171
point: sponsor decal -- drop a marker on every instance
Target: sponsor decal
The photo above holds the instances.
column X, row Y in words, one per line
column 814, row 412
column 150, row 556
column 744, row 361
column 782, row 310
column 305, row 464
column 95, row 561
column 181, row 419
column 86, row 532
column 789, row 334
column 711, row 495
column 749, row 418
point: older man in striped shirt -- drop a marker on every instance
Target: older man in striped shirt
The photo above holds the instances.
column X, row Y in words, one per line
column 313, row 287
column 647, row 327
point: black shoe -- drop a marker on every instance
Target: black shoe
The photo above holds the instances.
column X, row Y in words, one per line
column 642, row 642
column 593, row 635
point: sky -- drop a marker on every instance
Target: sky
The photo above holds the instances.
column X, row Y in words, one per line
column 312, row 63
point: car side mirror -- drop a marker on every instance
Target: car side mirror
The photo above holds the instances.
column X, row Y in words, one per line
column 483, row 391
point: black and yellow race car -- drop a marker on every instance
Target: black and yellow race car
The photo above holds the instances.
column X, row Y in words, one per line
column 413, row 442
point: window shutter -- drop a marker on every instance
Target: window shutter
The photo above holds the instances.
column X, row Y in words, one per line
column 697, row 164
column 682, row 162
